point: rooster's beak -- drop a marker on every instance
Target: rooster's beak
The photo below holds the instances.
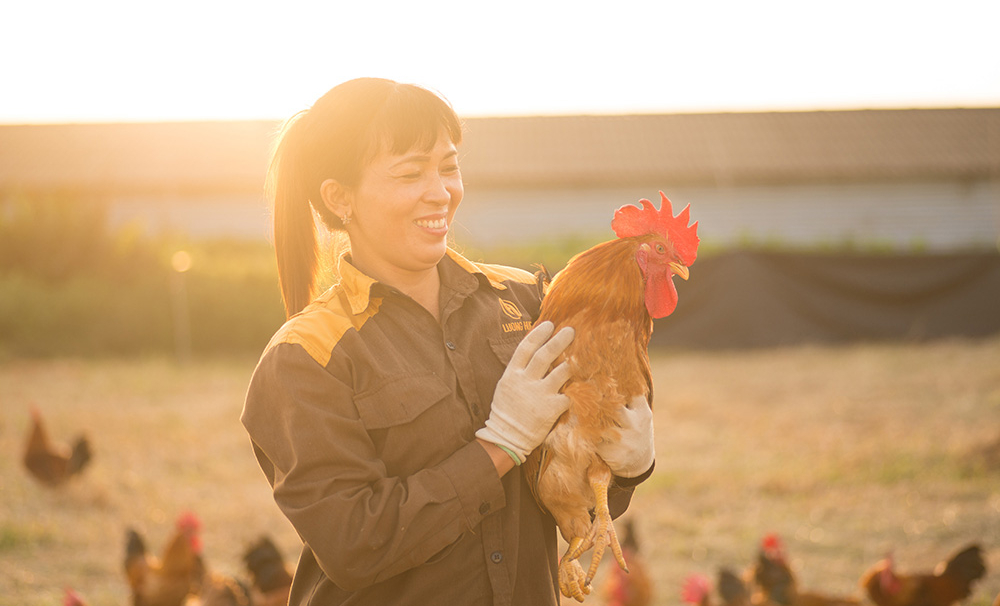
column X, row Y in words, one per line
column 679, row 270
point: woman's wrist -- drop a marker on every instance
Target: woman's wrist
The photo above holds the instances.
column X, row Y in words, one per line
column 502, row 461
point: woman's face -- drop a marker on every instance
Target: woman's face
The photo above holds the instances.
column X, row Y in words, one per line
column 402, row 209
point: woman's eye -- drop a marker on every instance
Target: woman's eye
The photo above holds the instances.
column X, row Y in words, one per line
column 450, row 170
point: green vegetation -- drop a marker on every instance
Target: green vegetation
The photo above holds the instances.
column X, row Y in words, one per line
column 69, row 285
column 72, row 286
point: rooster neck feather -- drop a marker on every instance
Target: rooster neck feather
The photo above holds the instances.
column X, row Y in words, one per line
column 603, row 284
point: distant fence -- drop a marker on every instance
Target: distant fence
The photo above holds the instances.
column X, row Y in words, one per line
column 761, row 299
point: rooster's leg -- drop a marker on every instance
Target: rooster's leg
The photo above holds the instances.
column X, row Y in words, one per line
column 572, row 581
column 604, row 529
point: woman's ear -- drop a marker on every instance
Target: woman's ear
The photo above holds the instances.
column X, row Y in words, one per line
column 335, row 197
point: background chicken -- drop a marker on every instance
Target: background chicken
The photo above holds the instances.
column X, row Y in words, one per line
column 950, row 582
column 609, row 294
column 697, row 590
column 732, row 590
column 632, row 588
column 217, row 589
column 168, row 580
column 49, row 462
column 270, row 577
column 776, row 584
column 72, row 598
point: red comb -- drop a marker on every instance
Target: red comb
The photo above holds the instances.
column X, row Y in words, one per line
column 631, row 221
column 188, row 521
column 72, row 598
column 695, row 588
column 189, row 524
column 772, row 546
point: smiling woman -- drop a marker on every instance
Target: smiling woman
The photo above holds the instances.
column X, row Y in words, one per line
column 364, row 151
column 390, row 413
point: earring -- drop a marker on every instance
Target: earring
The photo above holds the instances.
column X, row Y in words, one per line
column 346, row 219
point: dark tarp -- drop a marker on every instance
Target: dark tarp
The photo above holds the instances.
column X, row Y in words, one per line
column 760, row 299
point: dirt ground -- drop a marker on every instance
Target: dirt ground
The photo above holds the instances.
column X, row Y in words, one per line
column 845, row 452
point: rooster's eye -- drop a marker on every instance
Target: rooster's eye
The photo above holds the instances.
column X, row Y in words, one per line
column 660, row 249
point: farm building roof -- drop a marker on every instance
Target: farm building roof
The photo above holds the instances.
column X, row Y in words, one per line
column 722, row 148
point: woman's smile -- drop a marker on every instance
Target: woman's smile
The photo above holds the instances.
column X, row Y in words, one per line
column 434, row 225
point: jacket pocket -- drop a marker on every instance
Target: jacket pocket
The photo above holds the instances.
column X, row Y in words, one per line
column 399, row 400
column 503, row 347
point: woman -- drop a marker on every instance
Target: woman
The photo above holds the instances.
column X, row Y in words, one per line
column 389, row 413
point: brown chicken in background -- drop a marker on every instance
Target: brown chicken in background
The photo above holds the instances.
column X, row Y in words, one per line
column 217, row 589
column 270, row 577
column 168, row 580
column 950, row 582
column 632, row 588
column 49, row 462
column 609, row 294
column 732, row 590
column 776, row 584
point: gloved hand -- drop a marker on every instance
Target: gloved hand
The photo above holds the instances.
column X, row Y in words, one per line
column 527, row 401
column 633, row 453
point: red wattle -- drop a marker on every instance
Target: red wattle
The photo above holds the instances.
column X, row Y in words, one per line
column 661, row 296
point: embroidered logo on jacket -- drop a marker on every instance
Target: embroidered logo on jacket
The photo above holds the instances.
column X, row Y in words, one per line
column 510, row 309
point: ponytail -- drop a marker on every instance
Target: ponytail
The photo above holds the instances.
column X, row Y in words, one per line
column 294, row 227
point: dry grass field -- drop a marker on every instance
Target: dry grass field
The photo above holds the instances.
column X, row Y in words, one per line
column 846, row 452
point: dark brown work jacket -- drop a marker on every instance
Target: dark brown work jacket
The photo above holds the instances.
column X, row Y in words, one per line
column 362, row 413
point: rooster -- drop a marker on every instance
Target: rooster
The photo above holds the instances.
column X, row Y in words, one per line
column 609, row 294
column 634, row 588
column 776, row 584
column 51, row 463
column 269, row 576
column 949, row 583
column 169, row 580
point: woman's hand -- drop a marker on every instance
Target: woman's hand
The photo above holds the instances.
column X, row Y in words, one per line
column 633, row 453
column 527, row 400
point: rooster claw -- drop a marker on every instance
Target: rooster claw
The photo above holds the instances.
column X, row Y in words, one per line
column 572, row 580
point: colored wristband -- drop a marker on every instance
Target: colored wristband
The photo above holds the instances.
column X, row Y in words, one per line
column 513, row 455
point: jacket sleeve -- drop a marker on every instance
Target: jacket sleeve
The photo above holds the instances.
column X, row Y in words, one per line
column 362, row 525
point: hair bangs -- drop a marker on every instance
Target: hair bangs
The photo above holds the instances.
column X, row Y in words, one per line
column 413, row 118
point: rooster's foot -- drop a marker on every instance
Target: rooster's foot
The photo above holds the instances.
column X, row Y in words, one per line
column 603, row 530
column 572, row 581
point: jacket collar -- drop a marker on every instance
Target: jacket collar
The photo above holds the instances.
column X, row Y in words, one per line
column 457, row 273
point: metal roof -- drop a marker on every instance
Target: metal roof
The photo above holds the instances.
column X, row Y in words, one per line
column 722, row 148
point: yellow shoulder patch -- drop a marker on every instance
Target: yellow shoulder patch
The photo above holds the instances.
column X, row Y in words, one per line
column 320, row 326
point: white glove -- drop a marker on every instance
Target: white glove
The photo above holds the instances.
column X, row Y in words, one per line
column 633, row 453
column 527, row 401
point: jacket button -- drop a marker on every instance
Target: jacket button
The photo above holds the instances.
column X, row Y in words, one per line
column 497, row 557
column 449, row 345
column 484, row 508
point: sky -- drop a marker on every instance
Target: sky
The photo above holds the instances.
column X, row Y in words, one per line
column 111, row 61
